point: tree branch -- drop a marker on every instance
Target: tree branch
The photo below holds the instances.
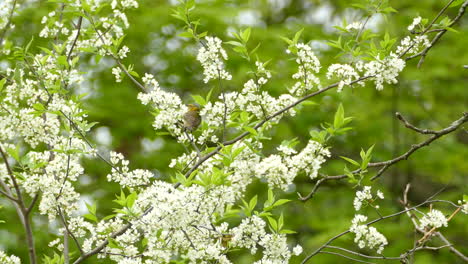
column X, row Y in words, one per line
column 439, row 35
column 387, row 164
column 317, row 251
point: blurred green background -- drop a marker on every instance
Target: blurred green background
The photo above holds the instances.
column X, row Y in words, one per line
column 430, row 97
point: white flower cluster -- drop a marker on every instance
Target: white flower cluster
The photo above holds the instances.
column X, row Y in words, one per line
column 367, row 236
column 56, row 244
column 308, row 66
column 297, row 250
column 122, row 175
column 52, row 27
column 410, row 45
column 354, row 26
column 24, row 122
column 101, row 231
column 416, row 22
column 124, row 3
column 464, row 206
column 5, row 259
column 211, row 56
column 5, row 9
column 251, row 234
column 184, row 223
column 344, row 72
column 117, row 73
column 281, row 170
column 251, row 99
column 168, row 107
column 384, row 70
column 434, row 218
column 248, row 233
column 100, row 34
column 365, row 196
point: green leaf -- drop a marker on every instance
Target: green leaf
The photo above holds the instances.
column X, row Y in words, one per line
column 253, row 203
column 290, row 42
column 246, row 35
column 339, row 117
column 281, row 202
column 287, row 232
column 62, row 60
column 39, row 107
column 131, row 199
column 199, row 100
column 457, row 3
column 251, row 130
column 91, row 208
column 297, row 36
column 234, row 43
column 273, row 223
column 90, row 217
column 350, row 161
column 28, row 45
column 186, row 34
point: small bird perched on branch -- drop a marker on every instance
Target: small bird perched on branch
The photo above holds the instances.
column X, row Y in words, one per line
column 192, row 118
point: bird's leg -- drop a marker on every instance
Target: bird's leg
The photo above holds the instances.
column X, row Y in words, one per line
column 193, row 144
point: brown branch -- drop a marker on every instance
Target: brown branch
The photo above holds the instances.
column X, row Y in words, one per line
column 98, row 249
column 33, row 202
column 410, row 126
column 439, row 234
column 12, row 176
column 317, row 251
column 428, row 234
column 344, row 256
column 64, row 222
column 13, row 199
column 80, row 20
column 386, row 164
column 360, row 254
column 117, row 60
column 438, row 134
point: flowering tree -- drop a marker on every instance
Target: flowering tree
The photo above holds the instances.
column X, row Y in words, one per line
column 202, row 212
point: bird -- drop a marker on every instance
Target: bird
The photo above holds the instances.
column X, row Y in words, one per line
column 192, row 118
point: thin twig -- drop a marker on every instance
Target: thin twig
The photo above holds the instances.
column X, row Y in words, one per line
column 410, row 126
column 423, row 53
column 386, row 164
column 344, row 256
column 317, row 251
column 64, row 222
column 80, row 20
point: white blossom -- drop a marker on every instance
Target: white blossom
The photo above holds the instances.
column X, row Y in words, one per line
column 117, row 73
column 211, row 56
column 344, row 72
column 354, row 26
column 297, row 250
column 366, row 236
column 280, row 171
column 434, row 218
column 384, row 70
column 122, row 175
column 123, row 52
column 416, row 22
column 308, row 66
column 365, row 195
column 5, row 259
column 410, row 45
